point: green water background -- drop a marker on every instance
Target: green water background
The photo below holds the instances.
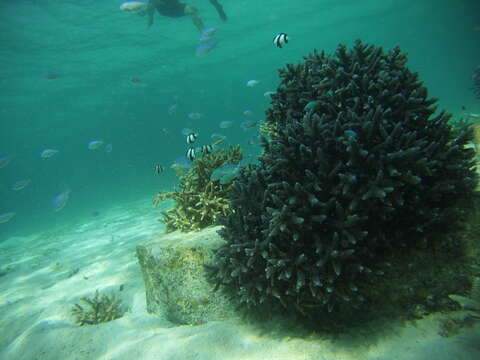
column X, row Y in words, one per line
column 98, row 49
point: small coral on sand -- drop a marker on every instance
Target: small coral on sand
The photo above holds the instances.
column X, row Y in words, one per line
column 98, row 309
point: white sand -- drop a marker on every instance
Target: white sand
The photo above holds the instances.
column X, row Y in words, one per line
column 35, row 298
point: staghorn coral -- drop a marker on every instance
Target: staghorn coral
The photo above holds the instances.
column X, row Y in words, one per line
column 360, row 184
column 199, row 201
column 100, row 309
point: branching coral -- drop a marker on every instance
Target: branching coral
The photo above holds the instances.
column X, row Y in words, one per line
column 360, row 175
column 98, row 309
column 199, row 201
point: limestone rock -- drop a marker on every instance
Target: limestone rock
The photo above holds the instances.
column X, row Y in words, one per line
column 175, row 278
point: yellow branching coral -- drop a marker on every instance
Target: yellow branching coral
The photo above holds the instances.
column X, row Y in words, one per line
column 98, row 309
column 199, row 201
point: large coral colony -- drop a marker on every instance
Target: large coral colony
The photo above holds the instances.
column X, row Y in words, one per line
column 354, row 206
column 359, row 172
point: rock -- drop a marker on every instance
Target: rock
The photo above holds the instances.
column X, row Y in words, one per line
column 175, row 278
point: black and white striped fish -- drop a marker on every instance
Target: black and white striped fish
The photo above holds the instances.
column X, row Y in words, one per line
column 190, row 154
column 191, row 138
column 280, row 39
column 207, row 149
column 159, row 169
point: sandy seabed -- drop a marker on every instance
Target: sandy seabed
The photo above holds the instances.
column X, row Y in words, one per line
column 50, row 271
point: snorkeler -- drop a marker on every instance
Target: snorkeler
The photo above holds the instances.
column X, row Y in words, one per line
column 175, row 8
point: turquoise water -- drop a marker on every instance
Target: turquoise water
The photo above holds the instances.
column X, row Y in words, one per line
column 94, row 50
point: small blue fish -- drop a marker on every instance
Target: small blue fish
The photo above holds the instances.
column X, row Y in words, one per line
column 5, row 217
column 225, row 124
column 48, row 153
column 248, row 113
column 351, row 134
column 21, row 184
column 218, row 138
column 95, row 144
column 172, row 109
column 204, row 48
column 225, row 173
column 252, row 83
column 248, row 124
column 4, row 160
column 59, row 201
column 311, row 105
column 195, row 115
column 182, row 163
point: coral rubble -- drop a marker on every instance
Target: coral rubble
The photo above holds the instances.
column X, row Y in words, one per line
column 199, row 200
column 98, row 309
column 360, row 175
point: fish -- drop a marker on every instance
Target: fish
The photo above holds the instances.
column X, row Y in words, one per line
column 172, row 109
column 225, row 174
column 133, row 6
column 59, row 201
column 252, row 83
column 472, row 115
column 181, row 163
column 207, row 149
column 191, row 154
column 207, row 34
column 5, row 217
column 159, row 169
column 248, row 113
column 204, row 48
column 136, row 80
column 5, row 160
column 95, row 144
column 311, row 105
column 108, row 148
column 48, row 153
column 248, row 124
column 225, row 124
column 351, row 134
column 268, row 94
column 21, row 184
column 280, row 39
column 195, row 116
column 191, row 138
column 52, row 75
column 218, row 137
